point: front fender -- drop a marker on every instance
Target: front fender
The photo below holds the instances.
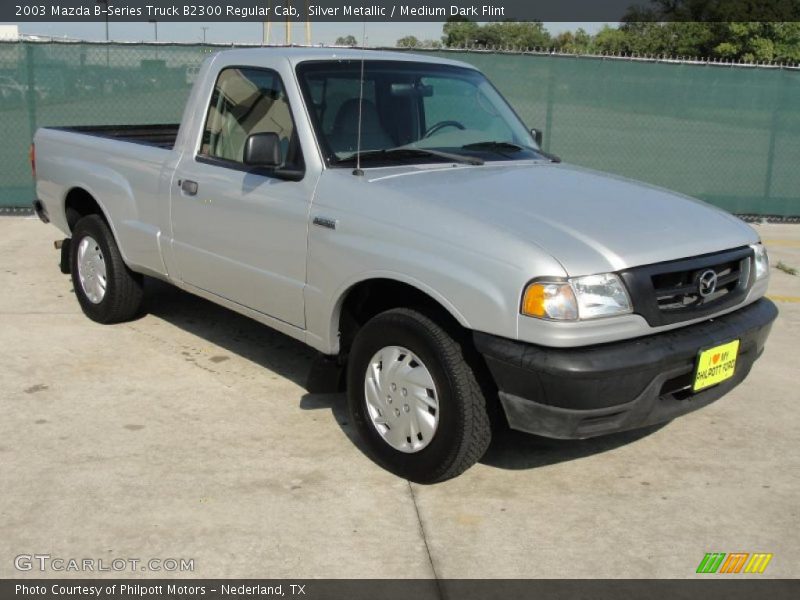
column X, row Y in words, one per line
column 481, row 292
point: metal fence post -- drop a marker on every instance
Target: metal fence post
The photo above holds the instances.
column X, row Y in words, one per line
column 31, row 92
column 773, row 132
column 548, row 119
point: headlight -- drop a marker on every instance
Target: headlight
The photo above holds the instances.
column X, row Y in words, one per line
column 587, row 297
column 761, row 260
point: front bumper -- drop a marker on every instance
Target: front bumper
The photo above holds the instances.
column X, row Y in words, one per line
column 574, row 393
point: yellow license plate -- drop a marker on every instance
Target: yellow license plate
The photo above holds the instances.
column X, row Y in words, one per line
column 715, row 365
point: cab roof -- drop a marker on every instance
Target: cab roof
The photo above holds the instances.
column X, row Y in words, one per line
column 296, row 55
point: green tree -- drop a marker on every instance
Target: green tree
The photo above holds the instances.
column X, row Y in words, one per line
column 578, row 42
column 714, row 11
column 787, row 41
column 514, row 34
column 672, row 39
column 348, row 40
column 711, row 28
column 762, row 42
column 408, row 41
column 610, row 40
column 747, row 42
column 676, row 28
column 459, row 32
column 690, row 39
column 431, row 44
column 503, row 34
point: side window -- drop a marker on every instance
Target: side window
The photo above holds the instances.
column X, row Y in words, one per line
column 247, row 101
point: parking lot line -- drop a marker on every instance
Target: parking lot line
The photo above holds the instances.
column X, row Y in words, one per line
column 792, row 299
column 787, row 243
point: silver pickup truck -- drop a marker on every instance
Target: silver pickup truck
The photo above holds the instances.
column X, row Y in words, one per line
column 393, row 212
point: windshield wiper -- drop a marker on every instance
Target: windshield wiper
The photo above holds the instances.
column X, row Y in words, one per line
column 509, row 146
column 413, row 152
column 503, row 148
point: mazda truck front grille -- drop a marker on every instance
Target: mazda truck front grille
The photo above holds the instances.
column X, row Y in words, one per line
column 686, row 289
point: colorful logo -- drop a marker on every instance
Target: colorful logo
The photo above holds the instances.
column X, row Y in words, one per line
column 735, row 562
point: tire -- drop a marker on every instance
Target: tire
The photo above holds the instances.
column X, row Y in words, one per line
column 461, row 430
column 120, row 299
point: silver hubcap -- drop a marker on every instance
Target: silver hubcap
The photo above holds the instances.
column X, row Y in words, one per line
column 402, row 401
column 92, row 270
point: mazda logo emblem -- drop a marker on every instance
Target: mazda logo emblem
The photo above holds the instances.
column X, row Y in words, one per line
column 707, row 283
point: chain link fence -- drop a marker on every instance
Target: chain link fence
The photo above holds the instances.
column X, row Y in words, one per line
column 729, row 134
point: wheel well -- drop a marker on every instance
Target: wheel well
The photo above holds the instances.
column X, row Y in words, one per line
column 369, row 298
column 78, row 204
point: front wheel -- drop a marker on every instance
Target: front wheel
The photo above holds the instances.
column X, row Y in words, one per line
column 414, row 398
column 107, row 290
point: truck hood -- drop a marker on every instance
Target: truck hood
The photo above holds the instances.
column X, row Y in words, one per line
column 590, row 222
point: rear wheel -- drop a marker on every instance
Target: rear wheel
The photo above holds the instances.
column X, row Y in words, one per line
column 414, row 398
column 107, row 290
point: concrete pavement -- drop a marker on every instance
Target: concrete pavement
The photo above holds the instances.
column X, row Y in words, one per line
column 187, row 434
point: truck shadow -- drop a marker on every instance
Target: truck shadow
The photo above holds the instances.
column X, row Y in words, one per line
column 292, row 360
column 231, row 331
column 516, row 450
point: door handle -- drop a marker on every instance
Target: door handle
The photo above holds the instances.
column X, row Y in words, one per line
column 188, row 187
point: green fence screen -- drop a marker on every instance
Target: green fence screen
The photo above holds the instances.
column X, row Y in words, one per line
column 729, row 135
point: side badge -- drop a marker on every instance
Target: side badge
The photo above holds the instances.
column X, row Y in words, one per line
column 325, row 222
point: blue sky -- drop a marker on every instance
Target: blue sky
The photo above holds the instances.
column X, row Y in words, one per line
column 378, row 34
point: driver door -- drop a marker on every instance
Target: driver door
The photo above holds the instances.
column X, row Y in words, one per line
column 238, row 232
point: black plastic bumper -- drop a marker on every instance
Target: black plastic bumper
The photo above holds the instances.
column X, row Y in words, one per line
column 588, row 391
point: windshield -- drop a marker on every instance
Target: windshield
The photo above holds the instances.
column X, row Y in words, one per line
column 430, row 112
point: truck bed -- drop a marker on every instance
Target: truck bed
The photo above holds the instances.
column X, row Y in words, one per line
column 161, row 136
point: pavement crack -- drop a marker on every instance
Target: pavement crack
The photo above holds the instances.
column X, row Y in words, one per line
column 439, row 591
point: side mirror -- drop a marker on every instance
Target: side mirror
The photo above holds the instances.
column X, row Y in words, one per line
column 263, row 150
column 538, row 136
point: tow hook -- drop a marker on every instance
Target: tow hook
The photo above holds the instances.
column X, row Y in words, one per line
column 63, row 245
